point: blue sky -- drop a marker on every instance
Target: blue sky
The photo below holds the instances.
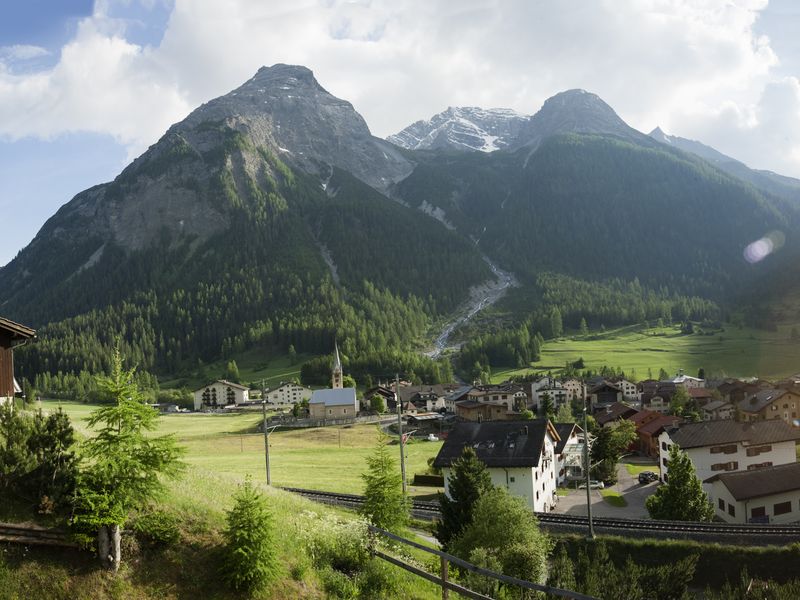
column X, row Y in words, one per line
column 87, row 86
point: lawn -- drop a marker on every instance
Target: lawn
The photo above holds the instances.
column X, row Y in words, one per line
column 635, row 469
column 614, row 498
column 325, row 458
column 741, row 352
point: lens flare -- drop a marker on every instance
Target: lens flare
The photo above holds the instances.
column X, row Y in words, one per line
column 761, row 249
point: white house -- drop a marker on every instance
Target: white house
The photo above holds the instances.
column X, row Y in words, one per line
column 630, row 391
column 717, row 410
column 769, row 495
column 688, row 381
column 220, row 393
column 719, row 446
column 339, row 403
column 288, row 393
column 575, row 388
column 553, row 388
column 519, row 455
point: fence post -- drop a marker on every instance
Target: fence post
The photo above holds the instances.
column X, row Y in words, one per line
column 445, row 568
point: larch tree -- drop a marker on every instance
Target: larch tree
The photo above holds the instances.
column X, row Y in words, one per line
column 384, row 503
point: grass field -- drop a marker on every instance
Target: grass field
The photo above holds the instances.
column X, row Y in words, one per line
column 329, row 458
column 253, row 366
column 613, row 498
column 737, row 352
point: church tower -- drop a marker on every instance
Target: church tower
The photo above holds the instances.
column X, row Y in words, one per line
column 336, row 379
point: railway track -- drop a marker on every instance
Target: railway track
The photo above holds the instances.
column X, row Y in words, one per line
column 34, row 536
column 750, row 534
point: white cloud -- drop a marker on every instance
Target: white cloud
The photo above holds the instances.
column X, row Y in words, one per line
column 19, row 52
column 696, row 68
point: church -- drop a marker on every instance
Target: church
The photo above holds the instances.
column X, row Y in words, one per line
column 338, row 402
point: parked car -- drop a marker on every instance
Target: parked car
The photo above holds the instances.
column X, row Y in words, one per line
column 593, row 485
column 646, row 477
column 432, row 437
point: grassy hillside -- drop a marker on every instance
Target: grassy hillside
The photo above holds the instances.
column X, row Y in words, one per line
column 741, row 352
column 330, row 459
column 309, row 537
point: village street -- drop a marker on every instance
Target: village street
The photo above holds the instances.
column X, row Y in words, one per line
column 627, row 486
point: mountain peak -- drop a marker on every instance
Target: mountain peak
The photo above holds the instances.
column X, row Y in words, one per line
column 462, row 128
column 574, row 111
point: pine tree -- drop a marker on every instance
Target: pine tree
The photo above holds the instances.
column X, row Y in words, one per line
column 682, row 498
column 556, row 324
column 232, row 372
column 584, row 328
column 250, row 559
column 384, row 503
column 468, row 481
column 562, row 570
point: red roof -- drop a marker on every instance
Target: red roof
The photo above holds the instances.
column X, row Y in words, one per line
column 699, row 392
column 654, row 426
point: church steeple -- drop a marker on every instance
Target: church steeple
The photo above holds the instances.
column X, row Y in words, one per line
column 336, row 378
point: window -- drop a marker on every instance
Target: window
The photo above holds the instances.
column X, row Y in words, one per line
column 721, row 504
column 782, row 508
column 756, row 450
column 729, row 449
column 728, row 466
column 773, row 407
column 759, row 465
column 731, row 510
column 665, row 462
column 758, row 511
column 663, row 445
column 511, row 479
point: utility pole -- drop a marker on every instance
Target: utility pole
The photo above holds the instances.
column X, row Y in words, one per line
column 400, row 430
column 587, row 468
column 266, row 438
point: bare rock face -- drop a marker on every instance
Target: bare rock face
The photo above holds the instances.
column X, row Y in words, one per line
column 283, row 107
column 462, row 128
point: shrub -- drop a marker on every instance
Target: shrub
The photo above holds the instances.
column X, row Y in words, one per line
column 333, row 542
column 377, row 580
column 249, row 555
column 157, row 528
column 338, row 585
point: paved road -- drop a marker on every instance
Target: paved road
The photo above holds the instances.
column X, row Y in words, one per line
column 634, row 493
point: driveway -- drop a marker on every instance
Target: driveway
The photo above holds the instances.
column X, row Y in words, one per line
column 627, row 486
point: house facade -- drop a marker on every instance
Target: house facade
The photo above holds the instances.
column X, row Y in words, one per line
column 769, row 495
column 575, row 388
column 717, row 410
column 288, row 393
column 519, row 455
column 12, row 335
column 569, row 452
column 725, row 446
column 770, row 403
column 219, row 394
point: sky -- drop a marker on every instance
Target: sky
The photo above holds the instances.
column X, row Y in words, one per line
column 86, row 86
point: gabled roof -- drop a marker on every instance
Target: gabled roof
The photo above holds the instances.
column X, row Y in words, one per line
column 642, row 416
column 655, row 426
column 604, row 384
column 760, row 400
column 712, row 433
column 614, row 412
column 716, row 405
column 565, row 431
column 699, row 392
column 16, row 330
column 768, row 481
column 224, row 382
column 498, row 443
column 337, row 397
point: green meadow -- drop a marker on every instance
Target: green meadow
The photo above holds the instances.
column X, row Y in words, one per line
column 732, row 351
column 326, row 458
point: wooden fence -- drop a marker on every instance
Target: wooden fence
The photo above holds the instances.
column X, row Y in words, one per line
column 443, row 580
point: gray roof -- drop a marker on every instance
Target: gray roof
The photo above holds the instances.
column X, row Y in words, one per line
column 768, row 481
column 338, row 397
column 497, row 443
column 716, row 404
column 711, row 433
column 761, row 400
column 224, row 382
column 564, row 432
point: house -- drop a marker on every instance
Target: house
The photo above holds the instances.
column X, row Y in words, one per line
column 768, row 495
column 575, row 388
column 770, row 403
column 648, row 433
column 717, row 410
column 701, row 395
column 473, row 410
column 12, row 335
column 338, row 403
column 630, row 391
column 715, row 446
column 569, row 452
column 429, row 398
column 614, row 412
column 687, row 381
column 219, row 394
column 519, row 455
column 558, row 396
column 508, row 394
column 604, row 394
column 287, row 393
column 455, row 396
